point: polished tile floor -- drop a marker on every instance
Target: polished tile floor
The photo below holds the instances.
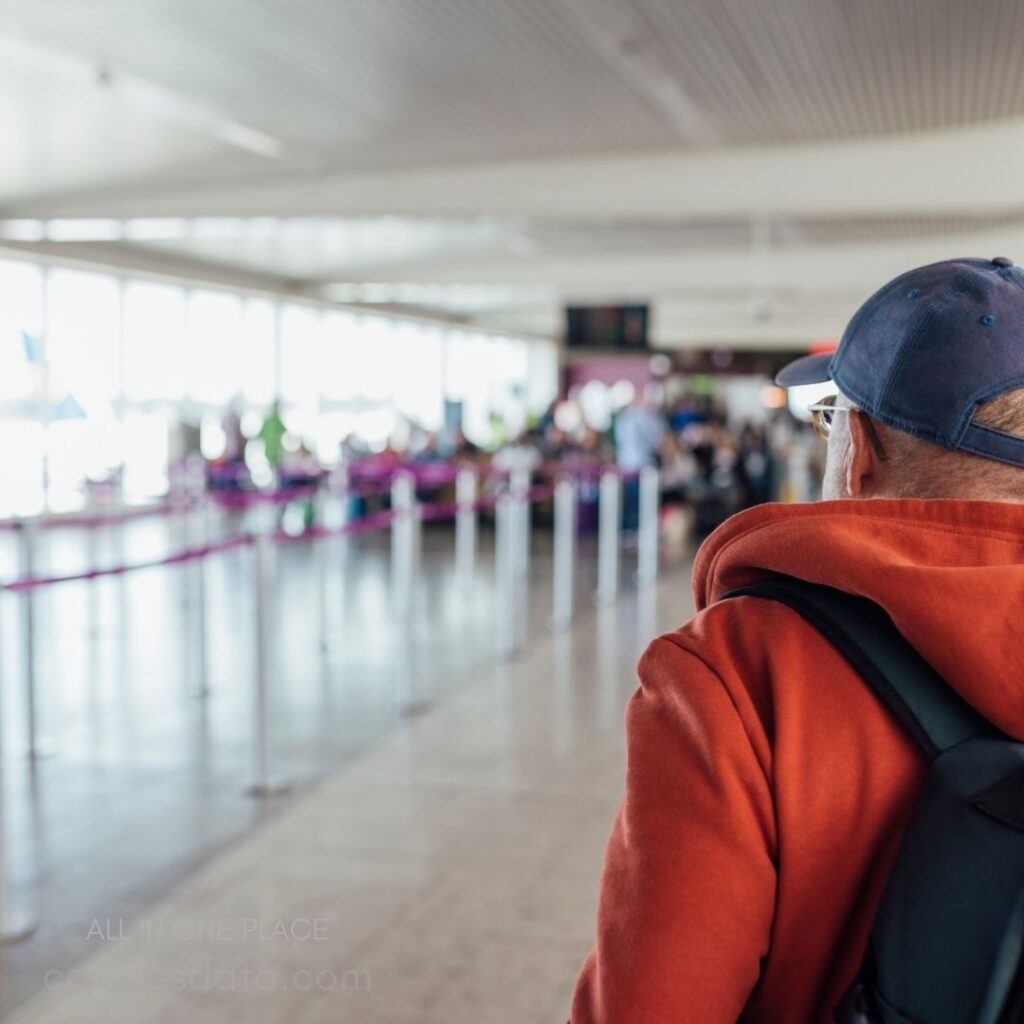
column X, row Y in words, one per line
column 437, row 857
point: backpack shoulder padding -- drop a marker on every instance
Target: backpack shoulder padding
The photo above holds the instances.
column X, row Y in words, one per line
column 934, row 714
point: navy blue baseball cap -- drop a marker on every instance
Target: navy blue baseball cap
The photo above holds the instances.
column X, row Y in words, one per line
column 930, row 347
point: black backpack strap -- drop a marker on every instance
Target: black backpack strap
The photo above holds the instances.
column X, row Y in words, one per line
column 934, row 714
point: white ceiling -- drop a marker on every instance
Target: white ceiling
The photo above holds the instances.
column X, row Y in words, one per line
column 751, row 168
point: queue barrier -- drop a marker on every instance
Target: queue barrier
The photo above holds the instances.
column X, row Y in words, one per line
column 510, row 504
column 361, row 480
column 113, row 517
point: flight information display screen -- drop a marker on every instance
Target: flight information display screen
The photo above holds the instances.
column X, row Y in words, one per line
column 607, row 327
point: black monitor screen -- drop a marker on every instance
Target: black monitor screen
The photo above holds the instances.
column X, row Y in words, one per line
column 608, row 327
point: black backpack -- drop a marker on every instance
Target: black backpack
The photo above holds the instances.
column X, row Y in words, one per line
column 947, row 942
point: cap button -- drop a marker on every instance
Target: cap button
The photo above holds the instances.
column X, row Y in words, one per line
column 1002, row 261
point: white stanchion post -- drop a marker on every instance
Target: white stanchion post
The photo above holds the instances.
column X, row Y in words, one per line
column 28, row 541
column 415, row 546
column 519, row 487
column 403, row 543
column 199, row 521
column 647, row 534
column 321, row 547
column 262, row 554
column 93, row 555
column 565, row 552
column 15, row 925
column 465, row 525
column 504, row 546
column 609, row 525
column 340, row 547
column 339, row 487
column 341, row 490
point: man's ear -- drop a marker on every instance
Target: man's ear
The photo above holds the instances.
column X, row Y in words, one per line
column 861, row 458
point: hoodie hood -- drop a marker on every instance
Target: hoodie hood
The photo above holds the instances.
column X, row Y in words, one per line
column 949, row 573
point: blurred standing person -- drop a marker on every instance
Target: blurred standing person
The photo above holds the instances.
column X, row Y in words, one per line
column 300, row 471
column 755, row 467
column 700, row 438
column 594, row 448
column 272, row 434
column 638, row 430
column 350, row 448
column 678, row 470
column 554, row 442
column 462, row 448
column 234, row 439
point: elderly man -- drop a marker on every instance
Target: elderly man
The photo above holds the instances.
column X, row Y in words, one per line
column 768, row 788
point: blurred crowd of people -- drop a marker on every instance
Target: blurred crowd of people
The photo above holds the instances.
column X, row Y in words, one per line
column 709, row 467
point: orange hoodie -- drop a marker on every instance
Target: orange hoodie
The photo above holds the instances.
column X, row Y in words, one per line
column 767, row 789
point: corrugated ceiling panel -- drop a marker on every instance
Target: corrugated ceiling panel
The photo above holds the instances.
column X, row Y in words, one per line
column 398, row 81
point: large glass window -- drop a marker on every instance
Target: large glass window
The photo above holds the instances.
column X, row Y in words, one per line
column 83, row 339
column 155, row 375
column 21, row 323
column 83, row 347
column 375, row 359
column 22, row 377
column 341, row 381
column 98, row 374
column 302, row 353
column 146, row 454
column 214, row 348
column 477, row 375
column 418, row 374
column 256, row 371
column 542, row 383
column 154, row 338
column 23, row 443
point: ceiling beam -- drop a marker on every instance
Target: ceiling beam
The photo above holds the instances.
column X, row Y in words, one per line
column 851, row 269
column 976, row 169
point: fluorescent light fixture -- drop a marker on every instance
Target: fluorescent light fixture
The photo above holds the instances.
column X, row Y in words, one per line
column 263, row 227
column 84, row 229
column 175, row 108
column 234, row 133
column 377, row 293
column 462, row 297
column 23, row 230
column 147, row 97
column 155, row 229
column 217, row 227
column 344, row 292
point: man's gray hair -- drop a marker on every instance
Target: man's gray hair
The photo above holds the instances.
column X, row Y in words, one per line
column 920, row 469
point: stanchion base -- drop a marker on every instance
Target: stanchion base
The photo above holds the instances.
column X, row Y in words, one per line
column 266, row 790
column 604, row 600
column 559, row 625
column 16, row 927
